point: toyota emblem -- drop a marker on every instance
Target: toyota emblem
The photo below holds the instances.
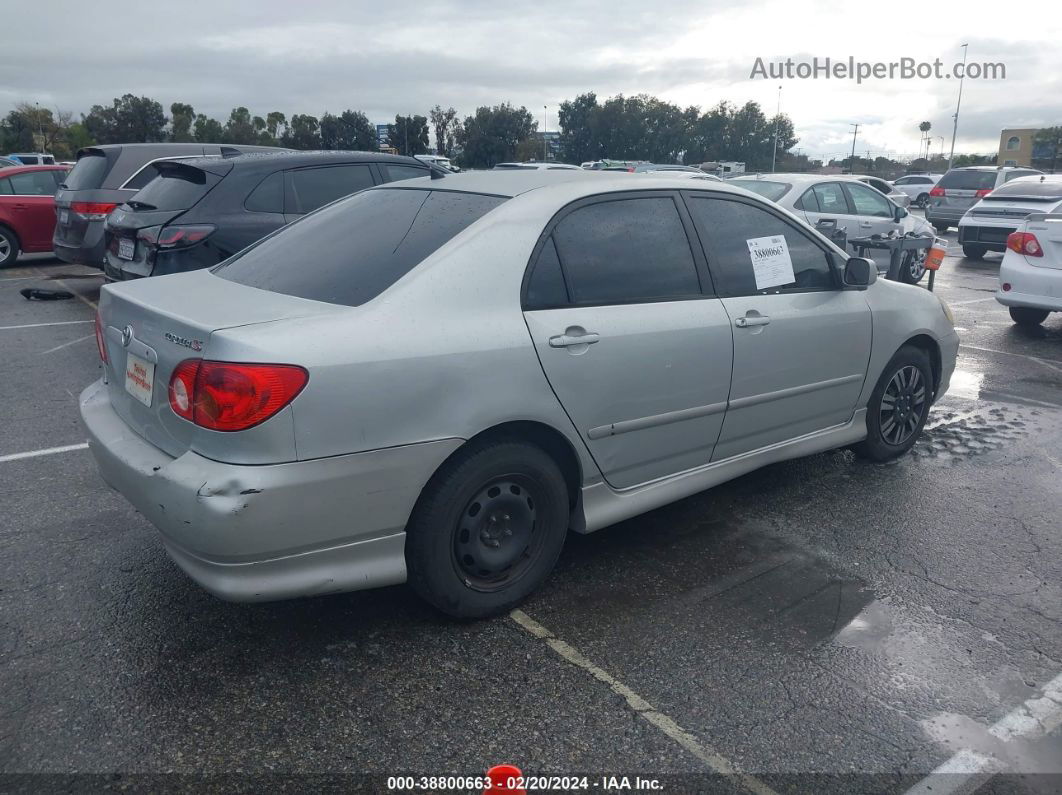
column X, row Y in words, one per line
column 127, row 336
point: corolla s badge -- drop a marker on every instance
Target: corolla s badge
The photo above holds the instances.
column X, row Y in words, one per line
column 127, row 336
column 195, row 345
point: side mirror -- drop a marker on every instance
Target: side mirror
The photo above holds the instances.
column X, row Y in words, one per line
column 901, row 213
column 860, row 272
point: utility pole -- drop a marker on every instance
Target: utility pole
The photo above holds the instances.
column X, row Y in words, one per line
column 958, row 103
column 544, row 156
column 851, row 160
column 777, row 114
column 40, row 124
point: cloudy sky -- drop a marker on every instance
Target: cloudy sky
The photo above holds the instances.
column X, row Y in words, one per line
column 403, row 57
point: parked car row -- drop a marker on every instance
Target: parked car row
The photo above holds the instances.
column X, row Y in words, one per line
column 27, row 209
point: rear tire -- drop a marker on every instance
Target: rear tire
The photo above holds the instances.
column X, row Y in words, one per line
column 487, row 529
column 922, row 201
column 9, row 247
column 1027, row 317
column 941, row 228
column 974, row 252
column 898, row 406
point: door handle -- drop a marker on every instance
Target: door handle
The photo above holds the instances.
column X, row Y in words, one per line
column 751, row 320
column 865, row 224
column 568, row 340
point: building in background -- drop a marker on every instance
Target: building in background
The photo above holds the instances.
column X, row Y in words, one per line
column 1016, row 148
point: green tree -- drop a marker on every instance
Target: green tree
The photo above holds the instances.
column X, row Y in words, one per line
column 239, row 129
column 491, row 135
column 443, row 123
column 130, row 119
column 1047, row 141
column 304, row 132
column 577, row 141
column 182, row 117
column 208, row 130
column 276, row 124
column 409, row 135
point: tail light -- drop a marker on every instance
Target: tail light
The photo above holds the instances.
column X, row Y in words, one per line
column 177, row 236
column 101, row 342
column 93, row 211
column 983, row 192
column 1024, row 243
column 937, row 192
column 226, row 396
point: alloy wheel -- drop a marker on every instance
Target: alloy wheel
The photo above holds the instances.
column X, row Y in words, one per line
column 5, row 247
column 902, row 405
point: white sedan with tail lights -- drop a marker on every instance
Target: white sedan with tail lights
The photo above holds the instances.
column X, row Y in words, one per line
column 1030, row 276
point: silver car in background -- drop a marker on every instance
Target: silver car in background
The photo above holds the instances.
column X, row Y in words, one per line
column 462, row 369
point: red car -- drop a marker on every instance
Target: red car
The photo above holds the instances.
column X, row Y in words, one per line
column 27, row 209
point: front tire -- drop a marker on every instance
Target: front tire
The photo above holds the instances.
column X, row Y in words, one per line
column 1027, row 317
column 9, row 247
column 487, row 529
column 941, row 228
column 898, row 406
column 974, row 252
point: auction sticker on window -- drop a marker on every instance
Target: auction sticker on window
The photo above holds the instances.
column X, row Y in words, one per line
column 771, row 261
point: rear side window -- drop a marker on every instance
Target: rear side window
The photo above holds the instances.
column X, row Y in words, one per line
column 732, row 230
column 545, row 286
column 33, row 183
column 142, row 177
column 393, row 173
column 626, row 251
column 89, row 172
column 316, row 187
column 350, row 252
column 268, row 197
column 177, row 187
column 766, row 188
column 957, row 179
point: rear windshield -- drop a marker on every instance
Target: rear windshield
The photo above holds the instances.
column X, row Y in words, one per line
column 89, row 172
column 177, row 187
column 350, row 251
column 1033, row 189
column 968, row 180
column 767, row 189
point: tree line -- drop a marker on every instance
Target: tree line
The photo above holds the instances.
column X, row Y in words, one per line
column 639, row 127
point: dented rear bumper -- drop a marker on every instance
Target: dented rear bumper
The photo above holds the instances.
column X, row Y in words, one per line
column 256, row 533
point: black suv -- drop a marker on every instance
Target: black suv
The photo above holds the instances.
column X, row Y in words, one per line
column 200, row 211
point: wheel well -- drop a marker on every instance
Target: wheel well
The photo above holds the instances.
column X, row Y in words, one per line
column 929, row 345
column 552, row 441
column 13, row 234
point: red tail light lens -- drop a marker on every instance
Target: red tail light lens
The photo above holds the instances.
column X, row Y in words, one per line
column 93, row 211
column 1025, row 243
column 937, row 192
column 226, row 396
column 983, row 192
column 101, row 342
column 181, row 236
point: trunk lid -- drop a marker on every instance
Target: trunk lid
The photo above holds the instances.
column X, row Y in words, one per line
column 131, row 233
column 151, row 325
column 1048, row 230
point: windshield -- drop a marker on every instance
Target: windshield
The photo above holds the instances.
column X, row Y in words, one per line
column 960, row 179
column 766, row 188
column 352, row 250
column 89, row 171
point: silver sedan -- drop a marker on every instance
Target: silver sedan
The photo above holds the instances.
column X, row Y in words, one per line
column 436, row 380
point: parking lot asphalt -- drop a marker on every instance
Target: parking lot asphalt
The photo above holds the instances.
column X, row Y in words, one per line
column 823, row 625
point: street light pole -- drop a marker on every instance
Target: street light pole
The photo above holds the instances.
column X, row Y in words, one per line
column 958, row 103
column 544, row 157
column 851, row 160
column 777, row 113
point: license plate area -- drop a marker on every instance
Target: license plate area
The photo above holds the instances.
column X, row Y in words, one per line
column 126, row 248
column 64, row 216
column 139, row 378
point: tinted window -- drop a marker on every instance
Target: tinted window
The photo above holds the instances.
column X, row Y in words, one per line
column 727, row 226
column 1016, row 174
column 830, row 198
column 268, row 197
column 352, row 251
column 867, row 201
column 33, row 183
column 1046, row 190
column 58, row 177
column 545, row 287
column 89, row 172
column 807, row 202
column 393, row 173
column 905, row 181
column 142, row 177
column 765, row 188
column 5, row 187
column 968, row 180
column 177, row 187
column 627, row 250
column 316, row 187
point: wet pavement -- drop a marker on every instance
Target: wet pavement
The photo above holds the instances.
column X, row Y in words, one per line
column 824, row 625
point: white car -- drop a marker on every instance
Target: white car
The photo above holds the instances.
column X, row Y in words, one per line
column 1030, row 276
column 885, row 188
column 438, row 160
column 917, row 187
column 681, row 174
column 536, row 165
column 844, row 203
column 986, row 226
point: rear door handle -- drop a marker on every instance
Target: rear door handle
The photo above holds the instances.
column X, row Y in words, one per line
column 568, row 340
column 865, row 223
column 751, row 320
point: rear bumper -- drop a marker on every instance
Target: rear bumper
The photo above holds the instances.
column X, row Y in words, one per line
column 1031, row 286
column 258, row 533
column 945, row 215
column 993, row 238
column 89, row 252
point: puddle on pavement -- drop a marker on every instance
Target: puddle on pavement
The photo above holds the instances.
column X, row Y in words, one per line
column 966, row 383
column 1028, row 755
column 958, row 434
column 868, row 630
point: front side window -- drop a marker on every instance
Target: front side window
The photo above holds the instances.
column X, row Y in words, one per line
column 316, row 187
column 393, row 172
column 753, row 252
column 626, row 251
column 867, row 201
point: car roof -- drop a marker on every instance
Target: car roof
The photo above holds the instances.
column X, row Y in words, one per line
column 796, row 178
column 291, row 159
column 1052, row 178
column 6, row 171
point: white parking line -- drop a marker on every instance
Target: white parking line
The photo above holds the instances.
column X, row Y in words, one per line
column 1037, row 359
column 47, row 451
column 971, row 301
column 68, row 344
column 672, row 730
column 967, row 770
column 41, row 325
